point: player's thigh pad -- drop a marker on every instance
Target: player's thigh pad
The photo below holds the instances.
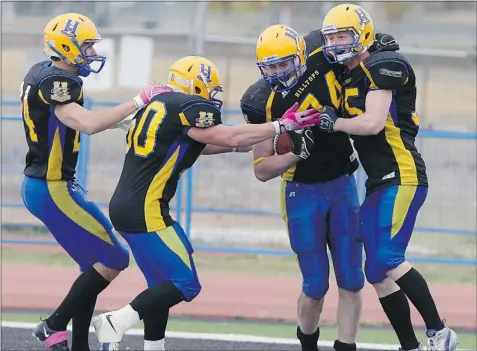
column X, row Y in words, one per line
column 394, row 211
column 304, row 210
column 78, row 225
column 166, row 255
column 344, row 239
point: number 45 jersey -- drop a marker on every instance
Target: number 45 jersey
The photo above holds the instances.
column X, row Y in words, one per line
column 332, row 155
column 52, row 147
column 158, row 152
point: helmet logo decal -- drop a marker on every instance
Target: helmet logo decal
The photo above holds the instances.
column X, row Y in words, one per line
column 205, row 72
column 291, row 33
column 294, row 35
column 70, row 28
column 363, row 19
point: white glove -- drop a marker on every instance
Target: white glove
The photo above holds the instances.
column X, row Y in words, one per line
column 125, row 123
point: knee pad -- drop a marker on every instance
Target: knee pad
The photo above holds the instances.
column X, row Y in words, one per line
column 190, row 290
column 314, row 267
column 315, row 288
column 119, row 258
column 378, row 264
column 352, row 280
column 375, row 271
column 116, row 257
column 122, row 258
column 348, row 266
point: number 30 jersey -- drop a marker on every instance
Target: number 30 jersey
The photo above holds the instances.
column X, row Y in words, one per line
column 158, row 152
column 332, row 155
column 52, row 147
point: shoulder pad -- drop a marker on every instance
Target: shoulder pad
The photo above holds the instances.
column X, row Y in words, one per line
column 313, row 40
column 386, row 70
column 193, row 100
column 60, row 89
column 254, row 101
column 201, row 113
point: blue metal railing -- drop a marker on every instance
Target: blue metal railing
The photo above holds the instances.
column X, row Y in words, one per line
column 187, row 207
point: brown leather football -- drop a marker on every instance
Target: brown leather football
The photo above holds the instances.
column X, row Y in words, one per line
column 282, row 144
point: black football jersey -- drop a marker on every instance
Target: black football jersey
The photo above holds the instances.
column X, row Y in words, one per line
column 158, row 152
column 332, row 155
column 52, row 146
column 390, row 157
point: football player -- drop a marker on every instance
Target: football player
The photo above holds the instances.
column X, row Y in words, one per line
column 320, row 203
column 54, row 117
column 165, row 138
column 379, row 110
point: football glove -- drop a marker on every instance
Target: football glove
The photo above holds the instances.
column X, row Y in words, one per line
column 384, row 42
column 328, row 118
column 146, row 94
column 125, row 123
column 303, row 141
column 293, row 120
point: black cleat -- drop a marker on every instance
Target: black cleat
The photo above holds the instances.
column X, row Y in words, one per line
column 56, row 340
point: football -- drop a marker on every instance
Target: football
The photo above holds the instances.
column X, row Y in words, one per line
column 282, row 144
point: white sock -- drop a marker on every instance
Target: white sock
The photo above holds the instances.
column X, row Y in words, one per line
column 157, row 345
column 126, row 317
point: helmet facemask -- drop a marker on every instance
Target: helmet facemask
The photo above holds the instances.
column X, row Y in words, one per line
column 215, row 94
column 342, row 52
column 89, row 63
column 212, row 92
column 82, row 62
column 282, row 80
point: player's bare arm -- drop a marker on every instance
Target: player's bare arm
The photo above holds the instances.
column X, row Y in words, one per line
column 267, row 165
column 78, row 118
column 234, row 136
column 91, row 122
column 251, row 134
column 373, row 120
column 214, row 149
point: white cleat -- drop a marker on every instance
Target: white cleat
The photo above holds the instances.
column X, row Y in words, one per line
column 442, row 340
column 419, row 348
column 108, row 332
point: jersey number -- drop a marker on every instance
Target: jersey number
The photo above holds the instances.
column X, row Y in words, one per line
column 76, row 143
column 143, row 137
column 334, row 89
column 352, row 111
column 26, row 112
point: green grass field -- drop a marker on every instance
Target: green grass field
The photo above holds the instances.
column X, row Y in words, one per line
column 366, row 334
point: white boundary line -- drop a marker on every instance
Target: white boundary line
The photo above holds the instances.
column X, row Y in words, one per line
column 221, row 337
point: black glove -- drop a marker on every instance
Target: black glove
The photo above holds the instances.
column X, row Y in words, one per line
column 384, row 42
column 303, row 141
column 328, row 118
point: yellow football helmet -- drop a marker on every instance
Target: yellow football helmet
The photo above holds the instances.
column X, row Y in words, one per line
column 68, row 37
column 195, row 75
column 281, row 56
column 352, row 19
